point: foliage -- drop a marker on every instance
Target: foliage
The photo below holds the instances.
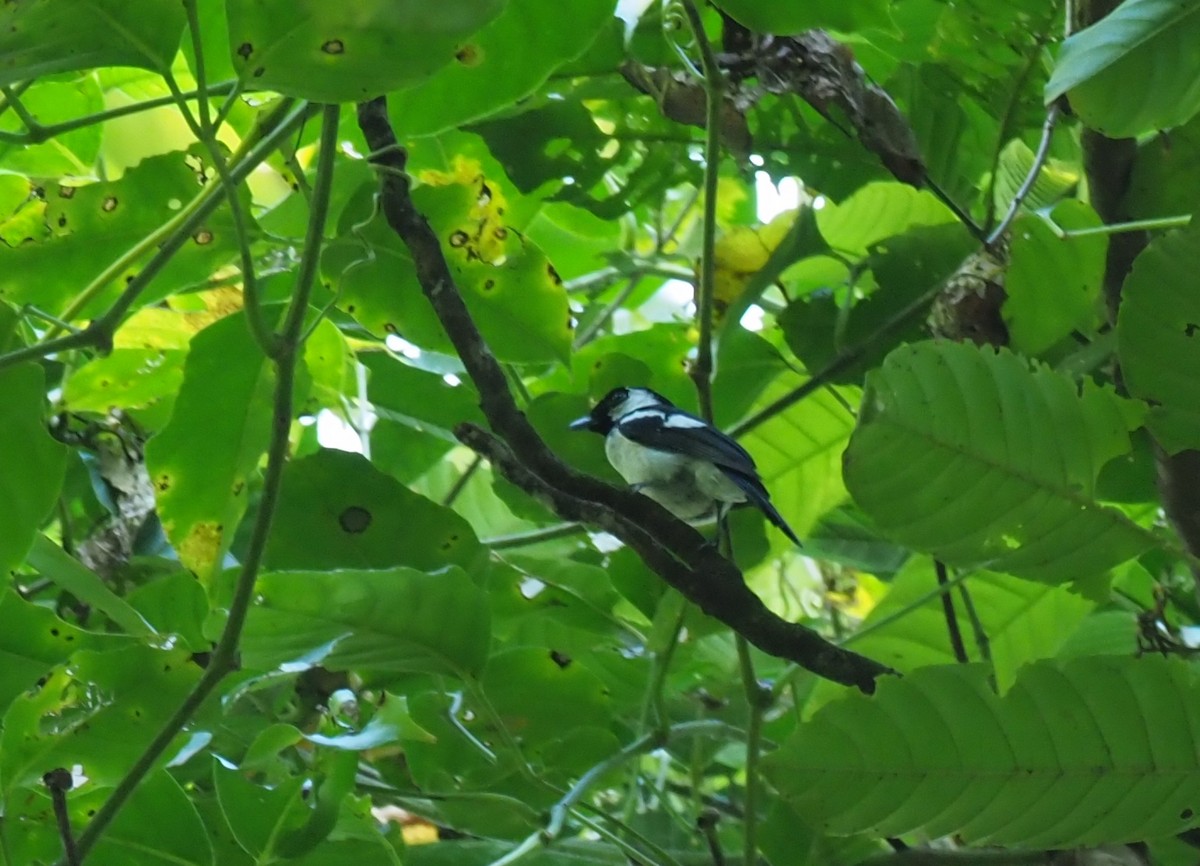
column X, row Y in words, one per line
column 264, row 606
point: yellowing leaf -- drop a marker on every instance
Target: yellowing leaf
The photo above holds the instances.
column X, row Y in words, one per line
column 742, row 252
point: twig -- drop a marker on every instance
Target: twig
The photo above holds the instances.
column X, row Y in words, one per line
column 757, row 700
column 702, row 371
column 1039, row 159
column 460, row 483
column 534, row 536
column 707, row 825
column 982, row 643
column 838, row 365
column 956, row 641
column 223, row 659
column 59, row 782
column 668, row 545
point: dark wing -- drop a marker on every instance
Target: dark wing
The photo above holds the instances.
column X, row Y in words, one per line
column 680, row 433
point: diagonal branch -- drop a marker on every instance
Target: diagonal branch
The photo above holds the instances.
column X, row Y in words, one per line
column 669, row 546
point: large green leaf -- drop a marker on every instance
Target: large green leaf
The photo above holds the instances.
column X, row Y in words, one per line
column 878, row 211
column 84, row 228
column 101, row 712
column 32, row 466
column 398, row 620
column 1135, row 70
column 37, row 39
column 338, row 511
column 1089, row 751
column 503, row 62
column 201, row 461
column 971, row 455
column 348, row 52
column 1052, row 285
column 53, row 102
column 510, row 287
column 1158, row 337
column 159, row 825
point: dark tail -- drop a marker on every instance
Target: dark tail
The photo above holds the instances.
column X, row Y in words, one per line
column 757, row 494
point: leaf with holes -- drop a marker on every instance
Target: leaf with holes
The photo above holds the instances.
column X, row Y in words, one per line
column 348, row 52
column 1158, row 337
column 975, row 457
column 394, row 620
column 84, row 228
column 336, row 510
column 1089, row 751
column 1135, row 70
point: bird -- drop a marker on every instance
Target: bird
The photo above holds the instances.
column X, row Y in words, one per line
column 680, row 461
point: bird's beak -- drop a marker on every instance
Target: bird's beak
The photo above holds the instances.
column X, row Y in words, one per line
column 584, row 423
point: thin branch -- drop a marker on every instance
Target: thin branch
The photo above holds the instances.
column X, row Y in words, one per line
column 460, row 483
column 982, row 643
column 758, row 699
column 702, row 372
column 13, row 100
column 838, row 365
column 59, row 782
column 956, row 640
column 535, row 536
column 1039, row 159
column 39, row 133
column 223, row 660
column 668, row 545
column 707, row 825
column 1010, row 110
column 206, row 133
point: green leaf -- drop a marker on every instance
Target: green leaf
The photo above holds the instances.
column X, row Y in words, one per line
column 125, row 379
column 54, row 102
column 257, row 815
column 61, row 568
column 86, row 227
column 37, row 39
column 398, row 620
column 34, row 464
column 332, row 52
column 506, row 60
column 390, row 724
column 159, row 825
column 32, row 641
column 799, row 453
column 512, row 291
column 1135, row 70
column 783, row 17
column 100, row 712
column 201, row 461
column 336, row 510
column 1054, row 179
column 1053, row 285
column 176, row 605
column 1052, row 764
column 878, row 211
column 1158, row 337
column 962, row 452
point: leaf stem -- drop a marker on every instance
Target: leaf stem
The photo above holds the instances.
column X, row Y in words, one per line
column 223, row 660
column 1039, row 159
column 956, row 639
column 758, row 699
column 39, row 133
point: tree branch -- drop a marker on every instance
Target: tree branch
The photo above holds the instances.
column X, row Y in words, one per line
column 669, row 546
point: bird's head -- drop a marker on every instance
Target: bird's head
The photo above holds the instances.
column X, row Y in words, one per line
column 614, row 405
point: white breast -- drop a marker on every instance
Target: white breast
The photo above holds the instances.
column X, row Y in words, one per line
column 687, row 487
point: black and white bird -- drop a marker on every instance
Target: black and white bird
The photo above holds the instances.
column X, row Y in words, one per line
column 680, row 461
